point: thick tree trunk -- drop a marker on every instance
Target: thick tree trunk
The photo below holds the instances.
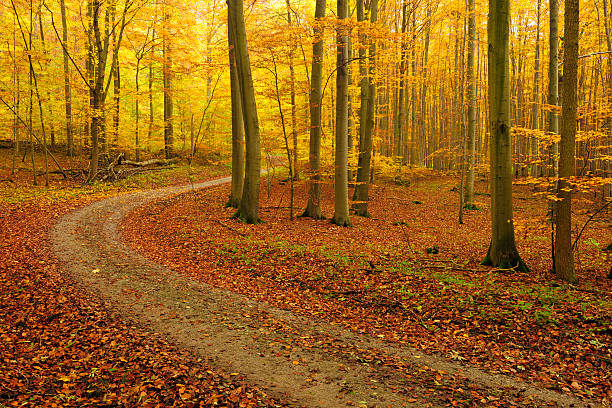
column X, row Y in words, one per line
column 564, row 259
column 237, row 125
column 249, row 203
column 313, row 207
column 341, row 204
column 502, row 251
column 366, row 114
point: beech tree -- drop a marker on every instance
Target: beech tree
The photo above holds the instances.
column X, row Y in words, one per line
column 167, row 79
column 366, row 112
column 313, row 207
column 502, row 250
column 471, row 104
column 249, row 202
column 237, row 123
column 341, row 204
column 564, row 258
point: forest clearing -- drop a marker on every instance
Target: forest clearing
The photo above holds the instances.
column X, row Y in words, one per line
column 264, row 203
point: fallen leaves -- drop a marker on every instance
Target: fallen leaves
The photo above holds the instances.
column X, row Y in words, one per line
column 505, row 322
column 60, row 347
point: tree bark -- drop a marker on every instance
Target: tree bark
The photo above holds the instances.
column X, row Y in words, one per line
column 535, row 114
column 471, row 105
column 237, row 125
column 564, row 259
column 423, row 115
column 313, row 207
column 67, row 86
column 249, row 203
column 553, row 82
column 341, row 205
column 366, row 113
column 168, row 100
column 502, row 250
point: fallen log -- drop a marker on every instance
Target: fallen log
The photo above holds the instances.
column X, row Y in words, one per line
column 152, row 162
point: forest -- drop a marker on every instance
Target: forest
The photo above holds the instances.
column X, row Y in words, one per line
column 268, row 203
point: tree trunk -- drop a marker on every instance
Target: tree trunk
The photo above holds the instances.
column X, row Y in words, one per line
column 401, row 148
column 249, row 203
column 366, row 113
column 313, row 207
column 151, row 113
column 294, row 132
column 564, row 259
column 341, row 205
column 168, row 101
column 67, row 86
column 607, row 189
column 535, row 114
column 502, row 250
column 137, row 106
column 237, row 125
column 423, row 115
column 553, row 82
column 471, row 106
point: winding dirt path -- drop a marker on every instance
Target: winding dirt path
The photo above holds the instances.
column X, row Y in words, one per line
column 237, row 334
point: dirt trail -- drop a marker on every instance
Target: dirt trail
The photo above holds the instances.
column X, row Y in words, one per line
column 228, row 330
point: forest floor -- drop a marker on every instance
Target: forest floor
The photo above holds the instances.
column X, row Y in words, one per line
column 62, row 346
column 377, row 279
column 296, row 301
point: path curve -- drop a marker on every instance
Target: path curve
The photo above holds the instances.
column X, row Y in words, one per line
column 216, row 324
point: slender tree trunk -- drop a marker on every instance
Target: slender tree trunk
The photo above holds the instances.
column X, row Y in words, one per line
column 168, row 100
column 423, row 115
column 294, row 132
column 607, row 189
column 67, row 86
column 151, row 112
column 116, row 103
column 564, row 259
column 137, row 106
column 535, row 114
column 341, row 204
column 249, row 203
column 313, row 207
column 471, row 105
column 16, row 97
column 237, row 125
column 502, row 251
column 553, row 82
column 401, row 149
